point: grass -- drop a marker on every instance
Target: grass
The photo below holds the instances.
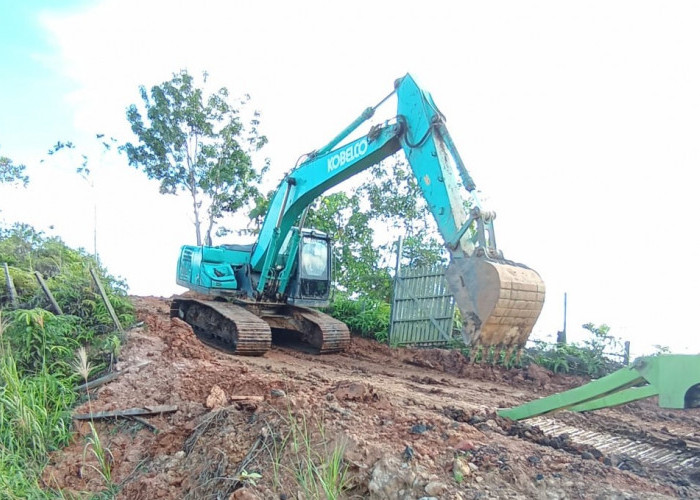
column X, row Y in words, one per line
column 305, row 453
column 102, row 454
column 33, row 421
column 35, row 402
column 37, row 377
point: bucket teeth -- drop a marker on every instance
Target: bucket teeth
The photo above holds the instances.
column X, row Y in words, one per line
column 499, row 301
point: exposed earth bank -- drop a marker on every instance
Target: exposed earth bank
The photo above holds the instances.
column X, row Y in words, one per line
column 402, row 423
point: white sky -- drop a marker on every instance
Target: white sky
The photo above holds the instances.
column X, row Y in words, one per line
column 580, row 123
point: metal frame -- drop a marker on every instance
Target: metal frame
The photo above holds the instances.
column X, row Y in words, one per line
column 422, row 308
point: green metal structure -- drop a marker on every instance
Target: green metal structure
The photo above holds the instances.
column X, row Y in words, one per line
column 674, row 378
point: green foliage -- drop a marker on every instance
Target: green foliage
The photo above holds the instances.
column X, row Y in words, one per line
column 36, row 337
column 316, row 463
column 33, row 417
column 196, row 143
column 395, row 201
column 387, row 198
column 597, row 356
column 364, row 316
column 67, row 274
column 37, row 377
column 11, row 172
column 356, row 260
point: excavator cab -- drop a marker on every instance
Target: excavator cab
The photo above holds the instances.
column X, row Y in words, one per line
column 311, row 286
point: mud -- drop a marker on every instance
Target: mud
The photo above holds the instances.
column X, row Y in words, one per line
column 412, row 423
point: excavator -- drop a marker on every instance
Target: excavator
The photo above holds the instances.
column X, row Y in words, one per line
column 241, row 293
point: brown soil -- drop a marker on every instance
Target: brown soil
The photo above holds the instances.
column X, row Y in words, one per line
column 412, row 423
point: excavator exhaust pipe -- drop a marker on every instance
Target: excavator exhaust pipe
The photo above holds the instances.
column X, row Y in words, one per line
column 500, row 301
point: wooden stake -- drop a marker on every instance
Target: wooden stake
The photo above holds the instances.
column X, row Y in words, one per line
column 10, row 286
column 106, row 300
column 131, row 412
column 47, row 292
column 98, row 381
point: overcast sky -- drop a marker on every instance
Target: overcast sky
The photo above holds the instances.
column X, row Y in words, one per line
column 579, row 122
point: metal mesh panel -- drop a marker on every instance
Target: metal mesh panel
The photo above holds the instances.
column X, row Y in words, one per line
column 422, row 309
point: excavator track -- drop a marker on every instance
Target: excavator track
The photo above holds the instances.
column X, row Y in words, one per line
column 246, row 329
column 224, row 323
column 322, row 332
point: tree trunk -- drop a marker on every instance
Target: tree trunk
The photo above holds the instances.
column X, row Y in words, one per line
column 197, row 224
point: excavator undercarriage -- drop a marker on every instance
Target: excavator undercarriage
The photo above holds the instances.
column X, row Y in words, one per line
column 247, row 329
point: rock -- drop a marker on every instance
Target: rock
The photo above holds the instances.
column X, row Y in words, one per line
column 478, row 479
column 420, row 428
column 179, row 455
column 217, row 398
column 473, row 467
column 434, row 488
column 243, row 494
column 476, row 419
column 460, row 469
column 464, row 445
column 390, row 477
column 356, row 391
column 586, row 456
column 278, row 393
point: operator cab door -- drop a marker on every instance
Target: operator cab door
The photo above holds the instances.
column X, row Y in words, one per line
column 312, row 284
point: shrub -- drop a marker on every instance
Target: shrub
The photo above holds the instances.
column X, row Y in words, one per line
column 37, row 347
column 364, row 316
column 594, row 358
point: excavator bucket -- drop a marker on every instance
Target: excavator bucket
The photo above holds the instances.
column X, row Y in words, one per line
column 500, row 301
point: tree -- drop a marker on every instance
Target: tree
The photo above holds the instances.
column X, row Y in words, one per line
column 84, row 165
column 396, row 201
column 357, row 261
column 12, row 173
column 389, row 196
column 196, row 143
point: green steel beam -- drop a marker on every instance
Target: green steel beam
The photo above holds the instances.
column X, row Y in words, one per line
column 618, row 398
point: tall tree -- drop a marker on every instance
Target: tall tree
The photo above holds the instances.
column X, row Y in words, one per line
column 196, row 142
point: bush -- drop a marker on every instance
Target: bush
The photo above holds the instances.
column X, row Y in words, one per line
column 37, row 349
column 594, row 358
column 67, row 275
column 364, row 316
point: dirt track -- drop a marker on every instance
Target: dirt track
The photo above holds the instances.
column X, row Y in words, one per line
column 409, row 419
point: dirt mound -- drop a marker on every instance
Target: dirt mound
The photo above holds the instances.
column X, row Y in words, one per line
column 401, row 423
column 183, row 343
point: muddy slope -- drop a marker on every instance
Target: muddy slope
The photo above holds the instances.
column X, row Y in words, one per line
column 411, row 424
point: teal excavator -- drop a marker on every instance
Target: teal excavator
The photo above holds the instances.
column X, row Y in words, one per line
column 244, row 292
